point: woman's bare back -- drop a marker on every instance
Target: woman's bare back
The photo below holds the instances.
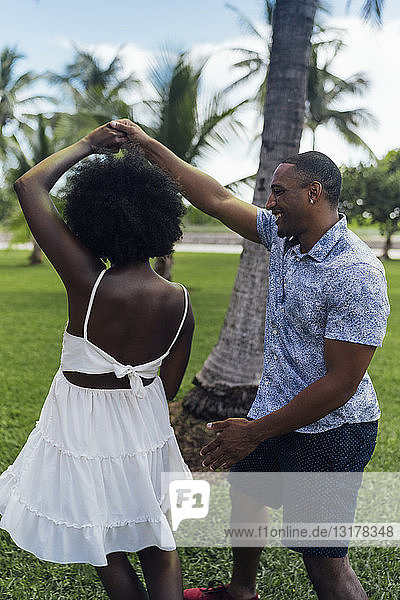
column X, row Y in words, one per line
column 134, row 318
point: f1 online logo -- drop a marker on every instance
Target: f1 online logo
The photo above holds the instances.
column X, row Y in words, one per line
column 189, row 499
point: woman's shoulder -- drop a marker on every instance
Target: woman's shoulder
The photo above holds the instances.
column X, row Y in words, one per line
column 174, row 295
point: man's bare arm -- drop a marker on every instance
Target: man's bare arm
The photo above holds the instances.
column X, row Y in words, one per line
column 200, row 189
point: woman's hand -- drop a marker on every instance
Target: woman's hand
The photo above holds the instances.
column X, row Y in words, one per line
column 105, row 138
column 133, row 132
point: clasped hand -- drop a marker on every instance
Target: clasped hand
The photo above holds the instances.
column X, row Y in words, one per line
column 235, row 440
column 106, row 138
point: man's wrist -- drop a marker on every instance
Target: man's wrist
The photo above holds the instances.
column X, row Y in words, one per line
column 259, row 430
column 151, row 148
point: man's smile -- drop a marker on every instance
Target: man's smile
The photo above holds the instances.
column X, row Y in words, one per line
column 277, row 214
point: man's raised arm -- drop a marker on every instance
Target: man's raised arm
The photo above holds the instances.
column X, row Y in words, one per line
column 202, row 191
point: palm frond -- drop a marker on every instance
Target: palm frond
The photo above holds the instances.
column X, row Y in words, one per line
column 354, row 85
column 269, row 6
column 345, row 124
column 250, row 181
column 372, row 10
column 176, row 82
column 218, row 123
column 245, row 23
column 86, row 72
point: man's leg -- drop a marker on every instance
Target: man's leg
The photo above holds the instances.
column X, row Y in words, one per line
column 245, row 512
column 342, row 454
column 248, row 512
column 333, row 578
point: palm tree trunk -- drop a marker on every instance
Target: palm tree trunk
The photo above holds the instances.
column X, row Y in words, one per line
column 388, row 242
column 227, row 383
column 36, row 256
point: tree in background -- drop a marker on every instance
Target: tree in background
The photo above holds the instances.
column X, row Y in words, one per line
column 183, row 118
column 15, row 100
column 40, row 144
column 253, row 64
column 372, row 193
column 325, row 90
column 178, row 113
column 94, row 92
column 12, row 86
column 228, row 380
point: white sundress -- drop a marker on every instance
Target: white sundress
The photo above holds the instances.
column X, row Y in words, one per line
column 88, row 480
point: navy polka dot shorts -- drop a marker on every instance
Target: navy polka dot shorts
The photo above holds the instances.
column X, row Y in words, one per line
column 314, row 497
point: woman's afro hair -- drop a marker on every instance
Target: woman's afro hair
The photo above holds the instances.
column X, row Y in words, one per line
column 123, row 208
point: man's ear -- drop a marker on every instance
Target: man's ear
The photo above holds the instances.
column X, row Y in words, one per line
column 314, row 192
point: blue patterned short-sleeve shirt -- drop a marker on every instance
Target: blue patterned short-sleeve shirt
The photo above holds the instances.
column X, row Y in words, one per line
column 338, row 291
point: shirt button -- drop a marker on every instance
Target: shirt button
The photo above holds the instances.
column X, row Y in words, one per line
column 275, row 357
column 297, row 258
column 282, row 309
column 274, row 331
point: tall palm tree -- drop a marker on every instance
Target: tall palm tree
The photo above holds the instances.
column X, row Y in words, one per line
column 325, row 90
column 12, row 86
column 86, row 71
column 253, row 64
column 41, row 144
column 227, row 382
column 94, row 93
column 183, row 118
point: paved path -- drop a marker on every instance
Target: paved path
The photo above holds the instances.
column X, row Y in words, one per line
column 230, row 237
column 231, row 243
column 236, row 249
column 224, row 243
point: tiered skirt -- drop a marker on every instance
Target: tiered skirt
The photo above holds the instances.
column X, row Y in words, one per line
column 93, row 476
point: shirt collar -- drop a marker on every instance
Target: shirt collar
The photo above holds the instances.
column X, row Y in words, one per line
column 325, row 244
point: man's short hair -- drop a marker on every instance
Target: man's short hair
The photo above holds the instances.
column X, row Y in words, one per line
column 316, row 166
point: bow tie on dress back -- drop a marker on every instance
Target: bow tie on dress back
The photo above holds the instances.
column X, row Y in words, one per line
column 135, row 380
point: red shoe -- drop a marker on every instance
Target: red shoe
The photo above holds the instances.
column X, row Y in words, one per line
column 219, row 592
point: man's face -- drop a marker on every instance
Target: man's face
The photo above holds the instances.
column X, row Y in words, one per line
column 288, row 202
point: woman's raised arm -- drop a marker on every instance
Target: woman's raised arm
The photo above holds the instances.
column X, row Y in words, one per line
column 71, row 259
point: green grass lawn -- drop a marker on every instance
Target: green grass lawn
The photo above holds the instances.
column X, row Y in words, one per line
column 33, row 315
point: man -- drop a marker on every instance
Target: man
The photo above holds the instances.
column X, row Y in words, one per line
column 315, row 409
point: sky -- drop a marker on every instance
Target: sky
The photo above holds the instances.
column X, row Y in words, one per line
column 45, row 31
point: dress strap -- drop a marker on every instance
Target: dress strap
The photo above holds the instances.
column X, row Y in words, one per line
column 89, row 308
column 183, row 318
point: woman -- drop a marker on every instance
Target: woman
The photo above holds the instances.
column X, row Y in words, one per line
column 87, row 485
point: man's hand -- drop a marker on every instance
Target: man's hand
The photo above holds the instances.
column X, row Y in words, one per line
column 133, row 132
column 235, row 441
column 105, row 138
